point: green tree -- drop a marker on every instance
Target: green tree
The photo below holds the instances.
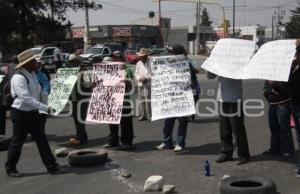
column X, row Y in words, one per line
column 293, row 26
column 205, row 20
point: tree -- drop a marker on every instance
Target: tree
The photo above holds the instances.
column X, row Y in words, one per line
column 205, row 18
column 293, row 27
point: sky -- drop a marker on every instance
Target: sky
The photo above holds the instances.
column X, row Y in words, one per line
column 248, row 12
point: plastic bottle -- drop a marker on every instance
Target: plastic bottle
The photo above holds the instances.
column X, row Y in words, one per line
column 207, row 168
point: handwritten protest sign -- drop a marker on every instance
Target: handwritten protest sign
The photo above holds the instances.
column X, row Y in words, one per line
column 1, row 78
column 171, row 95
column 231, row 58
column 107, row 99
column 62, row 88
column 272, row 61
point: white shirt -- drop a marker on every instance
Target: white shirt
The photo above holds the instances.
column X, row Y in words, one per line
column 142, row 70
column 27, row 98
column 57, row 54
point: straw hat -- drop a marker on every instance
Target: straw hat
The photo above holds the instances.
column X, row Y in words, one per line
column 25, row 57
column 143, row 52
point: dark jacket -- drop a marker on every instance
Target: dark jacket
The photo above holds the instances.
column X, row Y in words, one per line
column 276, row 92
column 294, row 83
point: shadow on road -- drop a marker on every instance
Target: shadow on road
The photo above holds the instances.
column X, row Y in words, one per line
column 146, row 146
column 261, row 157
column 91, row 143
column 206, row 120
column 206, row 149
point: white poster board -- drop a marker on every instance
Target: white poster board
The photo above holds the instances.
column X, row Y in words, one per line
column 171, row 95
column 232, row 58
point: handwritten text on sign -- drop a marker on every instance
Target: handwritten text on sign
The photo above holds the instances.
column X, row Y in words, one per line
column 107, row 99
column 231, row 58
column 62, row 88
column 171, row 95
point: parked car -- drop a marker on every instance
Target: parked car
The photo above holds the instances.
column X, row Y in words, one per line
column 96, row 53
column 47, row 58
column 158, row 51
column 131, row 56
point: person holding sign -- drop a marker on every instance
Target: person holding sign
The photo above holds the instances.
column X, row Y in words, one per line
column 143, row 78
column 278, row 95
column 25, row 116
column 169, row 122
column 80, row 105
column 231, row 119
column 126, row 120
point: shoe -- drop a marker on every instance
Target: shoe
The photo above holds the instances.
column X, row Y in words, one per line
column 126, row 147
column 107, row 146
column 163, row 146
column 14, row 173
column 242, row 160
column 268, row 152
column 287, row 155
column 178, row 148
column 56, row 169
column 74, row 141
column 224, row 158
column 142, row 118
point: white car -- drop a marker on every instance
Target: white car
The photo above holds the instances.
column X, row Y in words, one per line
column 47, row 58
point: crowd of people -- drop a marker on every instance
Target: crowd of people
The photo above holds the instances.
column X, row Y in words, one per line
column 29, row 85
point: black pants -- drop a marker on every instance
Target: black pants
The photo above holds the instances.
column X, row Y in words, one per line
column 79, row 115
column 23, row 123
column 2, row 119
column 126, row 130
column 232, row 123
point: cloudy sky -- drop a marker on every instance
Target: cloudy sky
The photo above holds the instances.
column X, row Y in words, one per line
column 248, row 12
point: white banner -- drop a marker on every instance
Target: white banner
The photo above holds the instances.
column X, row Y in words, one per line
column 1, row 78
column 231, row 58
column 171, row 95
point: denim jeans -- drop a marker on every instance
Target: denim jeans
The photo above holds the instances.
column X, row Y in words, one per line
column 279, row 123
column 181, row 133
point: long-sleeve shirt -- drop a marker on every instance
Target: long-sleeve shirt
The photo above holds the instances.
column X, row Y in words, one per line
column 142, row 70
column 26, row 95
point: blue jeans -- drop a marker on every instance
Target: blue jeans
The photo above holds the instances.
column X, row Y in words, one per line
column 181, row 133
column 279, row 123
column 296, row 115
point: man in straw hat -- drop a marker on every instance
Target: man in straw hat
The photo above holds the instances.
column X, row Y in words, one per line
column 25, row 116
column 143, row 78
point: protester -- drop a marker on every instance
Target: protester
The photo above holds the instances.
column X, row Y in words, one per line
column 126, row 123
column 26, row 118
column 231, row 119
column 294, row 83
column 143, row 78
column 169, row 122
column 278, row 95
column 195, row 84
column 5, row 96
column 80, row 102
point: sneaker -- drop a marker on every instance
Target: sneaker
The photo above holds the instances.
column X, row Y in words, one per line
column 178, row 148
column 224, row 158
column 74, row 141
column 142, row 118
column 287, row 155
column 163, row 146
column 13, row 173
column 107, row 146
column 242, row 160
column 56, row 169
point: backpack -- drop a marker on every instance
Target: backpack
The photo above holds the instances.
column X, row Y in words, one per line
column 9, row 99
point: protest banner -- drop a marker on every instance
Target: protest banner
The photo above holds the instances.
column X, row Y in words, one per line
column 106, row 103
column 231, row 58
column 171, row 95
column 62, row 87
column 1, row 78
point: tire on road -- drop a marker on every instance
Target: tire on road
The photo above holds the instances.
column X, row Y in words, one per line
column 248, row 185
column 4, row 142
column 87, row 157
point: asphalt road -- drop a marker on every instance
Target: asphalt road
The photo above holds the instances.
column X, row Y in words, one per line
column 185, row 170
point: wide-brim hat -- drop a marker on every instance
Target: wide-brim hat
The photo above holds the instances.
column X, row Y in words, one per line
column 25, row 57
column 143, row 52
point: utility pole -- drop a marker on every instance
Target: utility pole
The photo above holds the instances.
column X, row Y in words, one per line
column 278, row 15
column 87, row 26
column 161, row 40
column 233, row 20
column 197, row 28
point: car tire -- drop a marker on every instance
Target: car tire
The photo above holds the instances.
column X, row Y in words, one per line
column 87, row 157
column 248, row 185
column 4, row 142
